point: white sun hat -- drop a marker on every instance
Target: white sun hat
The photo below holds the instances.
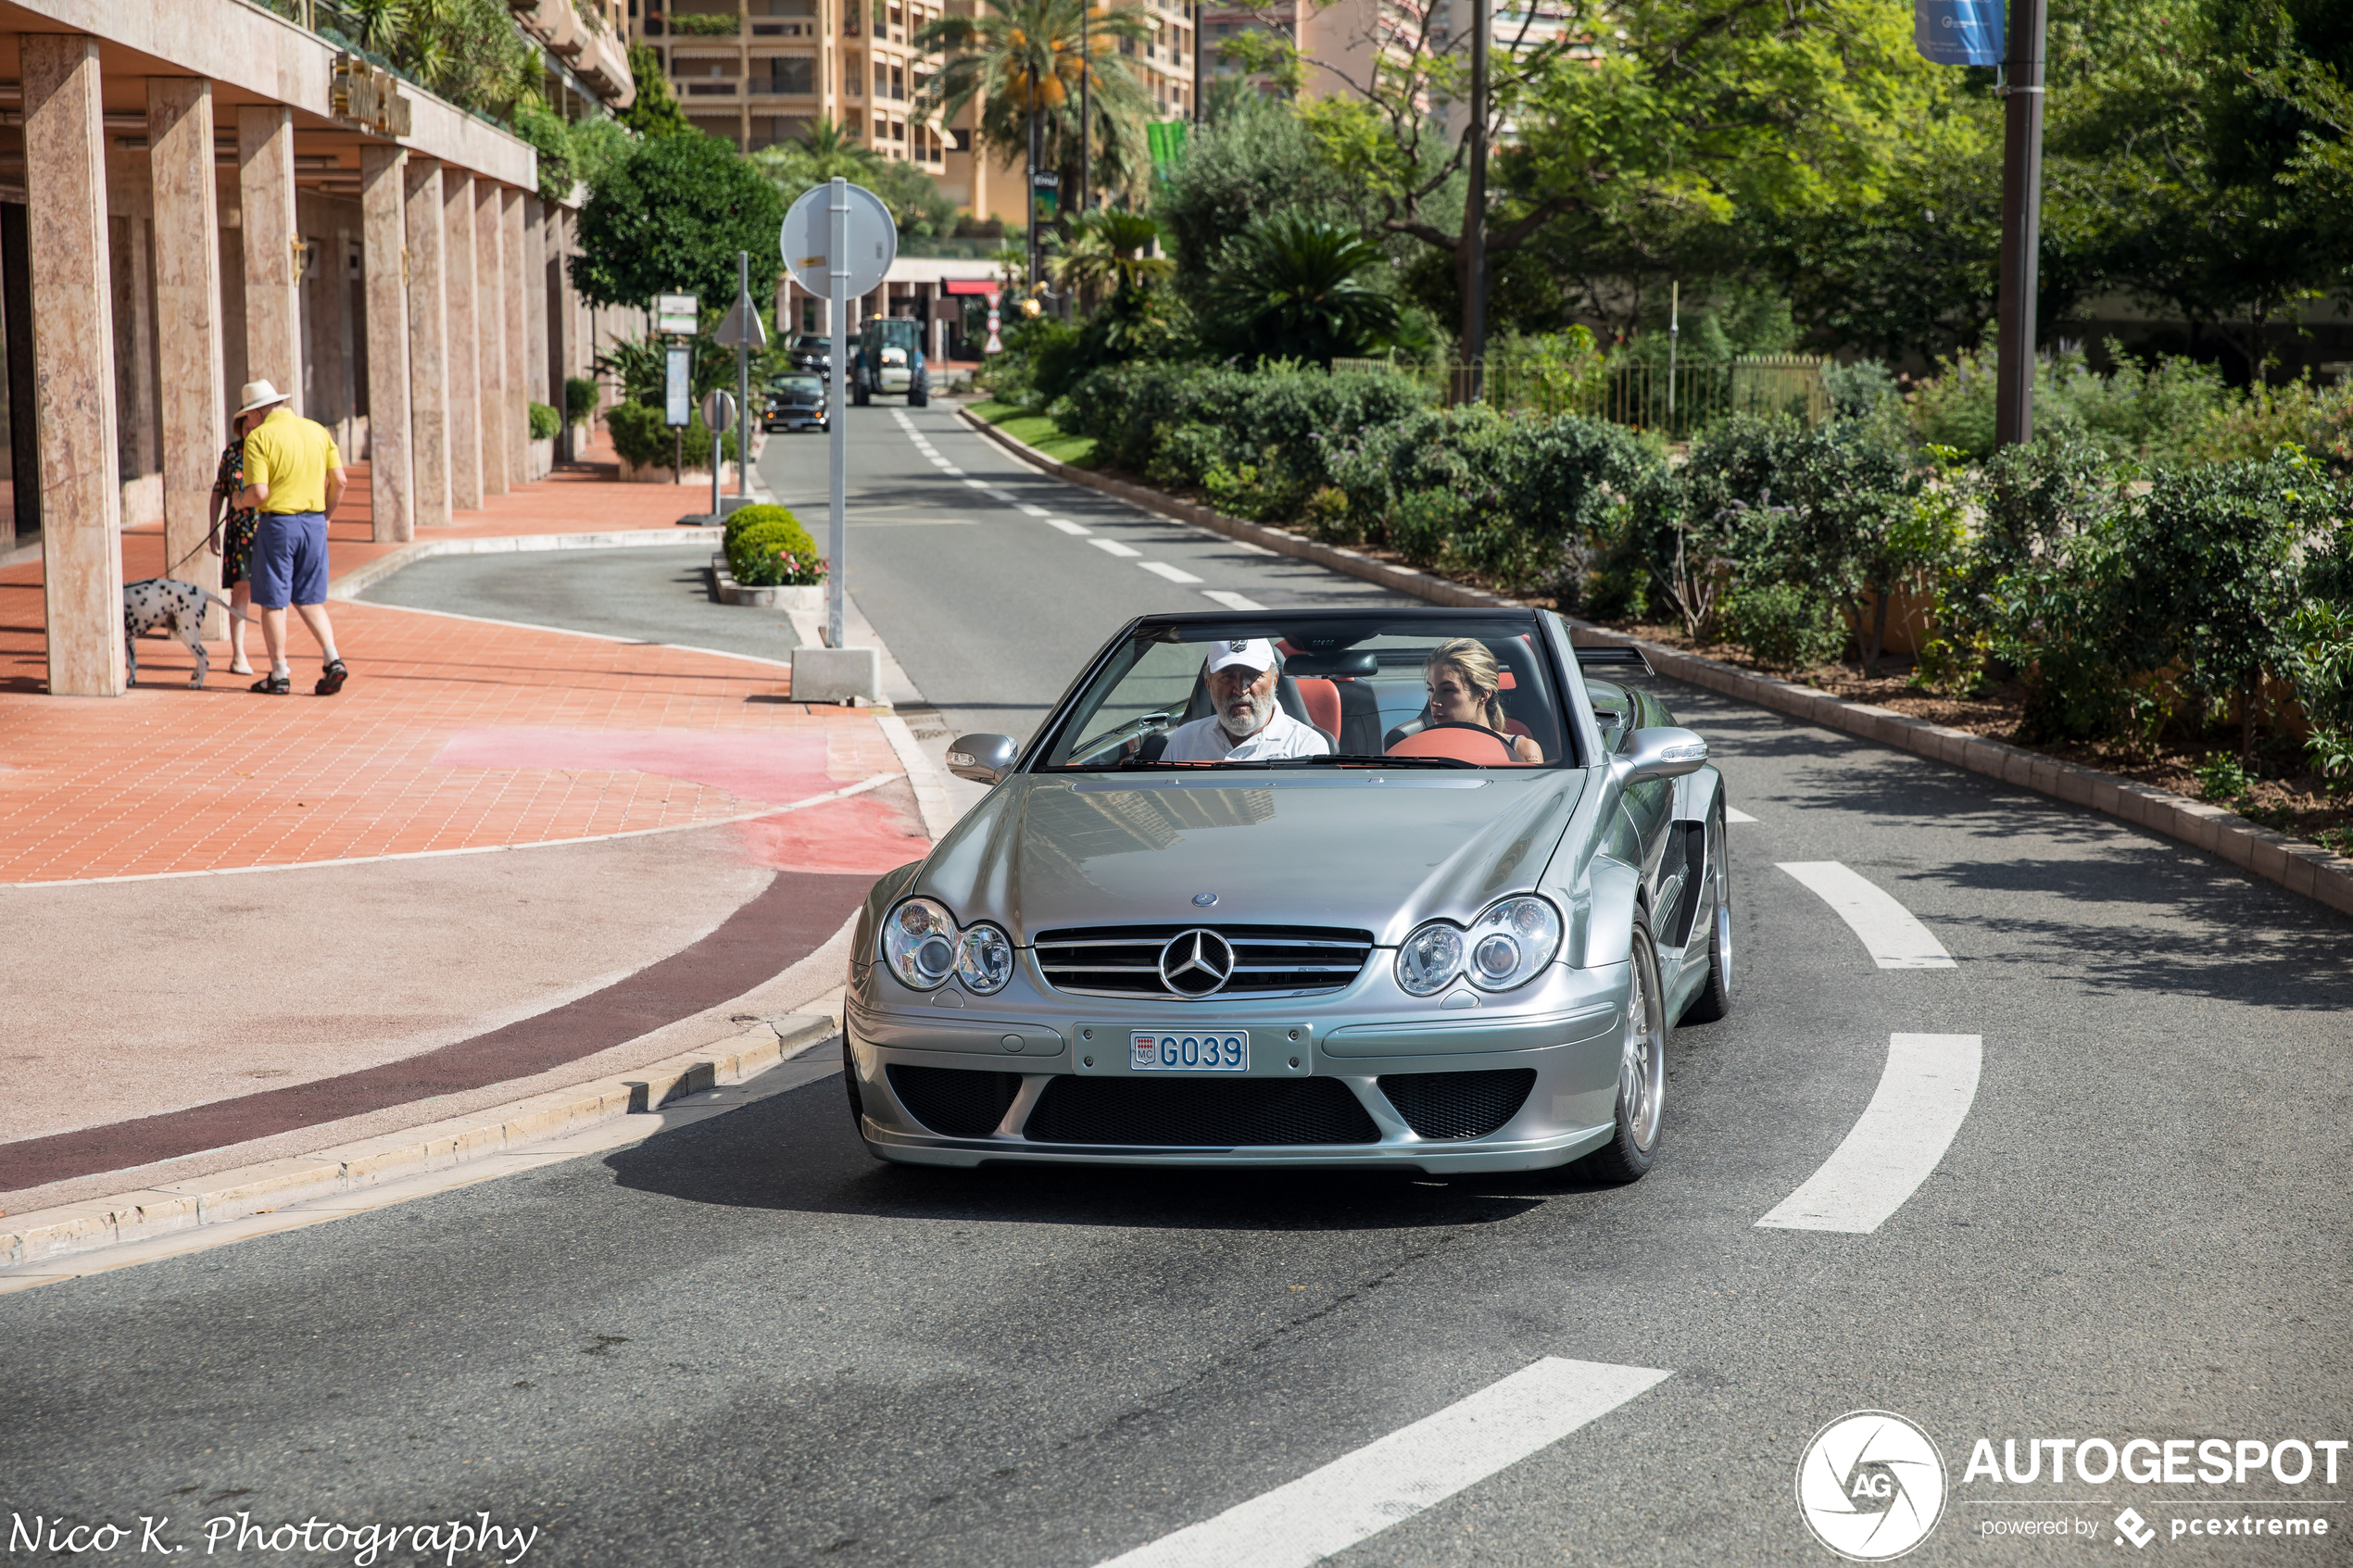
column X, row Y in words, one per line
column 260, row 394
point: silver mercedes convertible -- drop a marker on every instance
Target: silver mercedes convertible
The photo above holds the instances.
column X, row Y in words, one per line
column 1412, row 888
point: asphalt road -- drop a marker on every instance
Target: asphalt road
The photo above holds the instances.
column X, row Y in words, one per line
column 745, row 1342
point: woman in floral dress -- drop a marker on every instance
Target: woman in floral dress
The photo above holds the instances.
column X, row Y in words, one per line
column 236, row 551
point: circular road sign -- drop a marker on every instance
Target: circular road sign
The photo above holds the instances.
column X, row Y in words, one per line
column 807, row 241
column 718, row 410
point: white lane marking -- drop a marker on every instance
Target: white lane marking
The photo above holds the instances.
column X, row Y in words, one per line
column 1115, row 548
column 1393, row 1478
column 1922, row 1097
column 1027, row 506
column 977, row 483
column 1891, row 934
column 1735, row 814
column 1174, row 573
column 1068, row 527
column 953, row 471
column 1231, row 599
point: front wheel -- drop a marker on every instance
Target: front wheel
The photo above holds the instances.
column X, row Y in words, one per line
column 1641, row 1070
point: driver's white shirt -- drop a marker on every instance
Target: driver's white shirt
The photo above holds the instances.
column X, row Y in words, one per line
column 1205, row 740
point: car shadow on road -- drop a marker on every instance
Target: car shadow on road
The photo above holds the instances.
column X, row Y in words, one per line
column 796, row 1151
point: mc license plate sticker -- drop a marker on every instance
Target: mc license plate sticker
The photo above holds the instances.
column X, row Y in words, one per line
column 1189, row 1051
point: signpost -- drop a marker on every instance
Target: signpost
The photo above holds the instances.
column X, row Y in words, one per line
column 839, row 241
column 718, row 413
column 740, row 330
column 677, row 315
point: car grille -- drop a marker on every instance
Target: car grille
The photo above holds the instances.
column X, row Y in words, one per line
column 1195, row 1113
column 1459, row 1104
column 954, row 1100
column 1269, row 961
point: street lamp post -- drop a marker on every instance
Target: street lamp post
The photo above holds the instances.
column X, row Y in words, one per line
column 2021, row 225
column 1474, row 268
column 1035, row 154
column 1086, row 113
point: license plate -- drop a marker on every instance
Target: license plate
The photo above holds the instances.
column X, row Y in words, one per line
column 1189, row 1051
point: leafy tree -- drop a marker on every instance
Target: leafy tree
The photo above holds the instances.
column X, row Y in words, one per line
column 1295, row 287
column 655, row 111
column 672, row 216
column 826, row 150
column 1253, row 158
column 1023, row 61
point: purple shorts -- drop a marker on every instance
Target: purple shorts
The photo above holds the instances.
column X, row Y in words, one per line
column 289, row 559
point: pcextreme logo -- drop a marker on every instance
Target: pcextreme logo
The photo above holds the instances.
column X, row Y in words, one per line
column 1872, row 1486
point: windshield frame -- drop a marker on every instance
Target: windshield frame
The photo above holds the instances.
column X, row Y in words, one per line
column 1530, row 623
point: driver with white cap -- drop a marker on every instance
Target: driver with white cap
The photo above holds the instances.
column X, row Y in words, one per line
column 1248, row 724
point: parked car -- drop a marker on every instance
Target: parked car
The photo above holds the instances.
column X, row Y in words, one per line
column 811, row 351
column 795, row 402
column 1431, row 944
column 887, row 357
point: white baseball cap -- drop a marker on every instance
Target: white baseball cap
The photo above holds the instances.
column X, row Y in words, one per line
column 1253, row 653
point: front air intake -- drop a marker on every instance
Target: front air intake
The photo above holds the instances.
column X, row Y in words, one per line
column 955, row 1100
column 1454, row 1106
column 1200, row 1113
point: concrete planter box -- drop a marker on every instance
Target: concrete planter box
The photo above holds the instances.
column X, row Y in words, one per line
column 808, row 601
column 659, row 474
column 540, row 461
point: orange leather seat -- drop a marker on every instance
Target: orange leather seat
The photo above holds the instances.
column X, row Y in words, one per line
column 1321, row 698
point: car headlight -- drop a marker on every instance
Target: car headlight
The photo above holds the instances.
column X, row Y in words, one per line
column 1512, row 943
column 984, row 959
column 1430, row 959
column 919, row 944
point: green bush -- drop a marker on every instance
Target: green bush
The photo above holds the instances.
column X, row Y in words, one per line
column 766, row 546
column 545, row 422
column 1786, row 626
column 580, row 399
column 639, row 435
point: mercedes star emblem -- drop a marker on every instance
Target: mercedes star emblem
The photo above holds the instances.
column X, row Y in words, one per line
column 1204, row 900
column 1196, row 964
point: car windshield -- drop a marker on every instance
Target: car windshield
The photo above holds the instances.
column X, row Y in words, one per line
column 1412, row 689
column 809, row 386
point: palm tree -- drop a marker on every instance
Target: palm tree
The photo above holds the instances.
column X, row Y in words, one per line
column 1023, row 61
column 1109, row 253
column 1295, row 286
column 380, row 24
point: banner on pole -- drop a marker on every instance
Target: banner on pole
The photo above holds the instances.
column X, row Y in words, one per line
column 1957, row 32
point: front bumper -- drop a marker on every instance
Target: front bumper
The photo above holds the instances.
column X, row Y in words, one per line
column 1567, row 1027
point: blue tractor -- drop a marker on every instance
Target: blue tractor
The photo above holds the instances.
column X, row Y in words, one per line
column 887, row 357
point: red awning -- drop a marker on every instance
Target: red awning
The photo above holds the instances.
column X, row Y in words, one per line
column 971, row 286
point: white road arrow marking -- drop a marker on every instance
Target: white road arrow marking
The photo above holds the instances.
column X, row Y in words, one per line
column 1174, row 573
column 1894, row 939
column 1393, row 1478
column 1923, row 1098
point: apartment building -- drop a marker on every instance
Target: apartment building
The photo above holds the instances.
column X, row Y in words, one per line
column 759, row 71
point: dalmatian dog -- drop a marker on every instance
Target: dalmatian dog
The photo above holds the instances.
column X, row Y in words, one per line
column 174, row 607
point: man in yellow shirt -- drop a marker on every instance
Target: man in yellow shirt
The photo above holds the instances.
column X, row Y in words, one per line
column 294, row 477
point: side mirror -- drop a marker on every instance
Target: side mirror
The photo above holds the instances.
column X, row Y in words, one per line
column 1662, row 753
column 987, row 759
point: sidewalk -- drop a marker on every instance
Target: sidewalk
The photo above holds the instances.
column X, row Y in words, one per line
column 500, row 862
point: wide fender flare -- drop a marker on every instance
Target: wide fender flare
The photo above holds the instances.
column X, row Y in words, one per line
column 1613, row 891
column 1696, row 794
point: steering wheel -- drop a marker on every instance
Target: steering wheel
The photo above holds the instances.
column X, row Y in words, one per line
column 1475, row 744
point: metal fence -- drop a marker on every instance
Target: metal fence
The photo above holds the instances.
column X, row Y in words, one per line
column 1639, row 396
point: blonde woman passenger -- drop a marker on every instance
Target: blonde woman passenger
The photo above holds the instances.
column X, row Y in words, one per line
column 1466, row 687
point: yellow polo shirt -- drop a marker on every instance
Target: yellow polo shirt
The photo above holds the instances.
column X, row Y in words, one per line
column 292, row 456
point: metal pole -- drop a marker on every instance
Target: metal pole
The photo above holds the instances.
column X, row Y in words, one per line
column 1674, row 331
column 1086, row 113
column 838, row 412
column 2021, row 226
column 743, row 378
column 1031, row 219
column 1474, row 270
column 1197, row 43
column 714, row 474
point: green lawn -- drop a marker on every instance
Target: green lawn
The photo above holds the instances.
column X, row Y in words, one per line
column 1078, row 451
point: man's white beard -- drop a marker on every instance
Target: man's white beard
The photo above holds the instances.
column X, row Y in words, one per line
column 1261, row 709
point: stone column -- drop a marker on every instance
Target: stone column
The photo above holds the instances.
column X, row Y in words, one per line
column 188, row 298
column 490, row 324
column 384, row 237
column 428, row 351
column 547, row 386
column 266, row 195
column 514, row 267
column 73, row 351
column 464, row 340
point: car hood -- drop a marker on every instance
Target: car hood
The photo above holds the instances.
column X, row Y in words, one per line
column 1360, row 849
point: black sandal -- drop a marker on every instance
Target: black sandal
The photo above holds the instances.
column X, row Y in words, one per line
column 273, row 685
column 331, row 678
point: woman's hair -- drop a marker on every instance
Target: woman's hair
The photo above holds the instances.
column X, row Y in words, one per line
column 1474, row 662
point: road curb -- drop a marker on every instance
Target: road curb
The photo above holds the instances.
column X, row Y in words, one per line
column 359, row 578
column 437, row 1145
column 2295, row 864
